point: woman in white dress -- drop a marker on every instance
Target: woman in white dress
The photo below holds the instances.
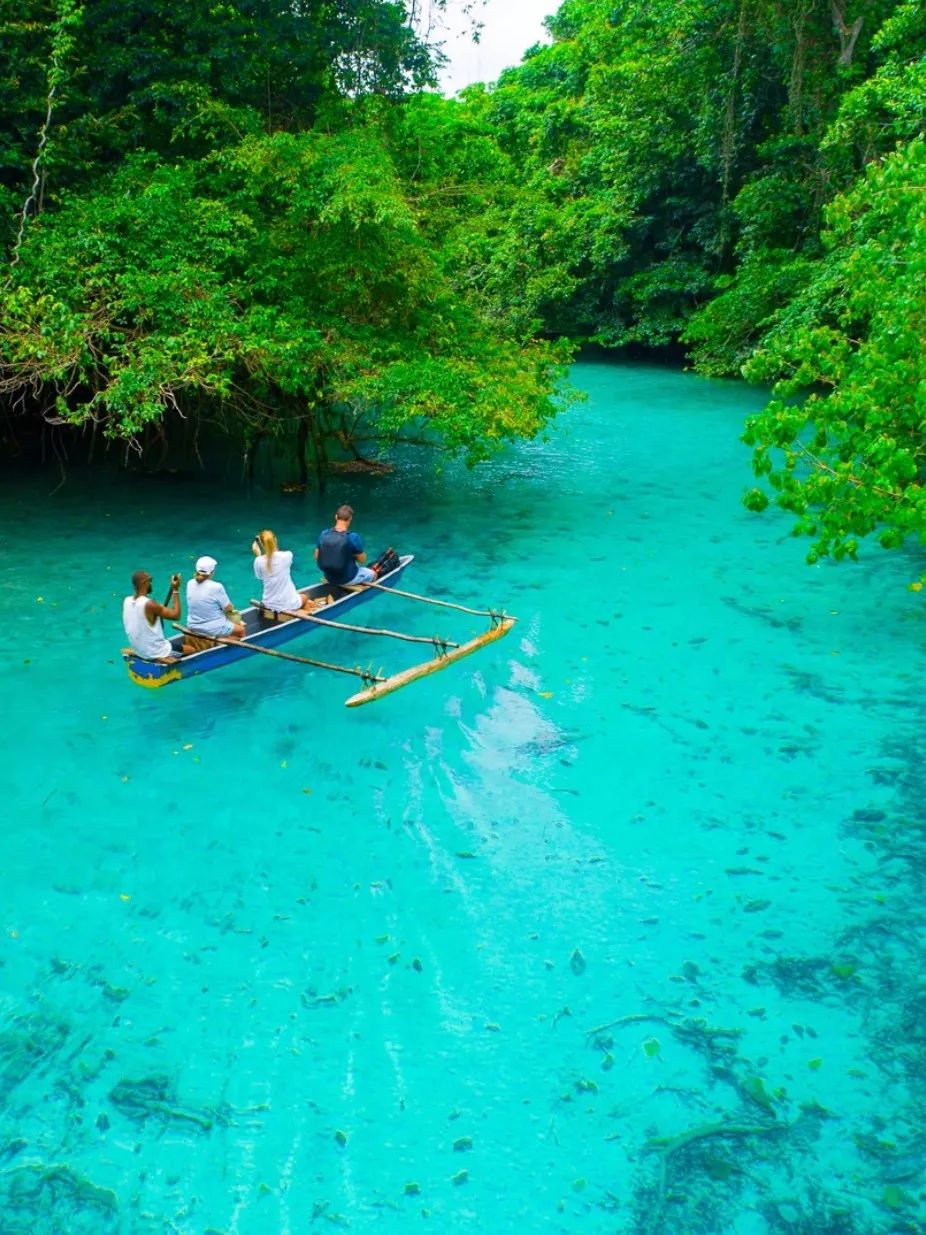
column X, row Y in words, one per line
column 273, row 566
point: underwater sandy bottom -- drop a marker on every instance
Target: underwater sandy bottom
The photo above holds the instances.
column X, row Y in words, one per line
column 615, row 927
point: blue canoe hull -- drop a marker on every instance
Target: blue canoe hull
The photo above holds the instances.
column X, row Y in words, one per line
column 262, row 631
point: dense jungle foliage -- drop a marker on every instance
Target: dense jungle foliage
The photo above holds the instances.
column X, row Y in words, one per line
column 263, row 214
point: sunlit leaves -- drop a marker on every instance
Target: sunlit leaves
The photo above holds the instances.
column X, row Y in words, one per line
column 850, row 457
column 285, row 277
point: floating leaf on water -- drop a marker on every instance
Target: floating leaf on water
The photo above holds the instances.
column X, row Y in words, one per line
column 753, row 1087
column 462, row 1143
column 817, row 1110
column 311, row 998
column 718, row 1168
column 893, row 1196
column 651, row 1047
column 577, row 962
column 845, row 969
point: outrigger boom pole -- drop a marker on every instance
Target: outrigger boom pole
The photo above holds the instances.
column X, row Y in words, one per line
column 361, row 630
column 300, row 660
column 432, row 600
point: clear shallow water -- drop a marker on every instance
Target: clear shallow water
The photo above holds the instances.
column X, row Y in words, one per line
column 649, row 868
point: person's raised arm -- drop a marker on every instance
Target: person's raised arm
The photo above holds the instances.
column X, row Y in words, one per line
column 153, row 609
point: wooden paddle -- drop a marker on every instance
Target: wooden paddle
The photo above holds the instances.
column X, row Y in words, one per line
column 299, row 660
column 170, row 589
column 362, row 630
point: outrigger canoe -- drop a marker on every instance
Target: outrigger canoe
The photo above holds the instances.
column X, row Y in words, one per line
column 266, row 631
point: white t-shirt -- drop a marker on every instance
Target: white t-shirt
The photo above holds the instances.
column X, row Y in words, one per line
column 205, row 607
column 279, row 590
column 147, row 640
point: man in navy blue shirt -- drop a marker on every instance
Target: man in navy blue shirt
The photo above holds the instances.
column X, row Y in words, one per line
column 340, row 554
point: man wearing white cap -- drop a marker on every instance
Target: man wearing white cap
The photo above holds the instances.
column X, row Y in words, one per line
column 208, row 607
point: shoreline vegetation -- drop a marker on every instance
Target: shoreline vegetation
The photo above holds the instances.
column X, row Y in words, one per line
column 267, row 223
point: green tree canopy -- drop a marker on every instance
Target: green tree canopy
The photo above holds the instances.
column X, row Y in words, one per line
column 234, row 219
column 849, row 458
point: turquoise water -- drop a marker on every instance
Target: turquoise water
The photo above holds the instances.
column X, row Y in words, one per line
column 469, row 959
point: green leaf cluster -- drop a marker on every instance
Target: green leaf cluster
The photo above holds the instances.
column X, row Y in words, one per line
column 246, row 218
column 848, row 457
column 742, row 178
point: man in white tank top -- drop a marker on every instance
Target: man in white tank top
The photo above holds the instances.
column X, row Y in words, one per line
column 141, row 617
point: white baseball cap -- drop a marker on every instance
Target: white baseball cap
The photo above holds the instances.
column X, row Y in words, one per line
column 206, row 565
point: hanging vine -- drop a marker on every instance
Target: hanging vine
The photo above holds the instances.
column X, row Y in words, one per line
column 69, row 15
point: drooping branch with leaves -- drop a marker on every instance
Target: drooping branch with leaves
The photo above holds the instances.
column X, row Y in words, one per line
column 258, row 261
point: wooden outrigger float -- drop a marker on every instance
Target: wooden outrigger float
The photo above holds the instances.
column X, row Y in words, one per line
column 378, row 688
column 266, row 630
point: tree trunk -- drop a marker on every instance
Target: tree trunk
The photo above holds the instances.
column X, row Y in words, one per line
column 848, row 35
column 302, row 438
